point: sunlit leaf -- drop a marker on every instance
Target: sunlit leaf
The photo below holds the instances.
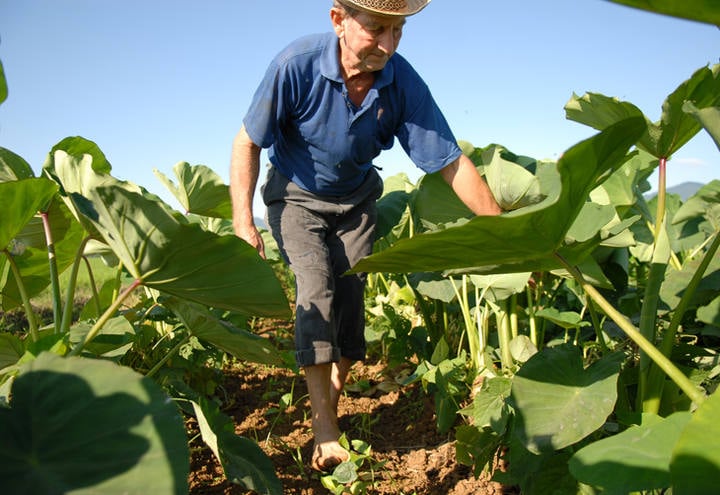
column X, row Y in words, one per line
column 696, row 10
column 20, row 200
column 675, row 127
column 526, row 239
column 67, row 235
column 162, row 250
column 13, row 167
column 709, row 118
column 3, row 84
column 199, row 190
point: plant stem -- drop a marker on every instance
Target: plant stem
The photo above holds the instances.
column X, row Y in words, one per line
column 655, row 380
column 168, row 355
column 531, row 317
column 662, row 185
column 29, row 314
column 597, row 326
column 54, row 280
column 70, row 291
column 93, row 286
column 105, row 317
column 503, row 325
column 693, row 392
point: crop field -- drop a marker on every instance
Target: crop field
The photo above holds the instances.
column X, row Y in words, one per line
column 569, row 345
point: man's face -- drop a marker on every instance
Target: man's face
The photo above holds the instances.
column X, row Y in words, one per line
column 371, row 39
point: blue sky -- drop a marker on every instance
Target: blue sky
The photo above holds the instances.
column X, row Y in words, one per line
column 158, row 82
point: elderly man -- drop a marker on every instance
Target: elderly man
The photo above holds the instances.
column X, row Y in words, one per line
column 327, row 106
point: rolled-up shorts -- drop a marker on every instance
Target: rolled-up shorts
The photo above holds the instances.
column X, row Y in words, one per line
column 321, row 238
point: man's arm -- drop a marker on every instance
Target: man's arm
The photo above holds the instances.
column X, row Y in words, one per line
column 244, row 171
column 470, row 187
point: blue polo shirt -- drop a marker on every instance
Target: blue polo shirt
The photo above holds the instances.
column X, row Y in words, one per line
column 325, row 144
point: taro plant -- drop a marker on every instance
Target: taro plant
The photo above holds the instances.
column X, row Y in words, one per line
column 582, row 396
column 94, row 404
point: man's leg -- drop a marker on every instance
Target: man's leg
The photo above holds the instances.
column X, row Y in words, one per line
column 327, row 452
column 338, row 377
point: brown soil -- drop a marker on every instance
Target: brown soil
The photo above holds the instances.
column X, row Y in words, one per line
column 398, row 422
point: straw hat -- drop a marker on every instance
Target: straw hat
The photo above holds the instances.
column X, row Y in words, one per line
column 388, row 7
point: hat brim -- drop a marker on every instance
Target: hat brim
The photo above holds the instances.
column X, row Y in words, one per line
column 412, row 7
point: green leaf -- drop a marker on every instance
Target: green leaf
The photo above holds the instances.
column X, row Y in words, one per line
column 162, row 250
column 476, row 447
column 200, row 190
column 558, row 402
column 512, row 185
column 636, row 459
column 3, row 84
column 345, row 472
column 67, row 235
column 676, row 282
column 243, row 460
column 695, row 464
column 241, row 344
column 489, row 406
column 113, row 341
column 501, row 286
column 79, row 146
column 85, row 426
column 704, row 203
column 527, row 239
column 675, row 127
column 696, row 10
column 13, row 167
column 11, row 349
column 564, row 319
column 709, row 118
column 19, row 201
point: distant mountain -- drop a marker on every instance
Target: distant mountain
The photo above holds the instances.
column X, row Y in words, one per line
column 684, row 190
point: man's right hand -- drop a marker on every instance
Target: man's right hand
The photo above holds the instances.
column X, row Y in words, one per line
column 252, row 236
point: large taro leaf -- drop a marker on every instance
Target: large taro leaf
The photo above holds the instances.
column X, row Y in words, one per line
column 695, row 464
column 242, row 460
column 557, row 402
column 82, row 426
column 199, row 190
column 32, row 252
column 13, row 166
column 3, row 84
column 709, row 118
column 20, row 200
column 527, row 239
column 392, row 206
column 179, row 258
column 240, row 343
column 636, row 459
column 161, row 249
column 696, row 10
column 675, row 127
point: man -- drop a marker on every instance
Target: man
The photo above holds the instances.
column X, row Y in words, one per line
column 327, row 106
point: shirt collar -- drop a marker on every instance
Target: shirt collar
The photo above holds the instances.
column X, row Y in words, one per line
column 330, row 64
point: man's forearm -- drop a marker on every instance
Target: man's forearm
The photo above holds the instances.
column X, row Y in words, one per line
column 470, row 187
column 244, row 171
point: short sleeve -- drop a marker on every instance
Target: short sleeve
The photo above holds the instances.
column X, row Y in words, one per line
column 426, row 136
column 265, row 115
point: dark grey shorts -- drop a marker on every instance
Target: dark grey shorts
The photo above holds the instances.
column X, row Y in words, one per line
column 321, row 238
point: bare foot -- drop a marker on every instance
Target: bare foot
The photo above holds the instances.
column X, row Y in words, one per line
column 327, row 455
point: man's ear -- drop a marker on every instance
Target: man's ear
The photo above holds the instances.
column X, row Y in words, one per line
column 336, row 17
